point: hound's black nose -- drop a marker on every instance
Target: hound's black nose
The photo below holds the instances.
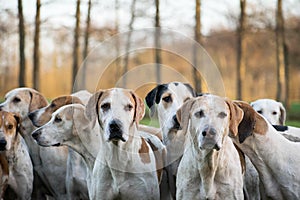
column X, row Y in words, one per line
column 115, row 130
column 31, row 116
column 176, row 123
column 36, row 134
column 2, row 144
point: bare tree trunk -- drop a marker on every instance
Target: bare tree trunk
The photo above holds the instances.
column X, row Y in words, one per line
column 36, row 50
column 22, row 70
column 157, row 43
column 198, row 38
column 118, row 60
column 76, row 44
column 282, row 92
column 126, row 58
column 86, row 42
column 241, row 46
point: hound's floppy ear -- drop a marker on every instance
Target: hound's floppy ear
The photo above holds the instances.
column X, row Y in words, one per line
column 37, row 101
column 282, row 114
column 236, row 116
column 139, row 108
column 247, row 125
column 183, row 114
column 150, row 100
column 91, row 109
column 18, row 120
column 191, row 89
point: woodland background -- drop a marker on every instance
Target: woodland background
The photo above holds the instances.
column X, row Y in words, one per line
column 255, row 44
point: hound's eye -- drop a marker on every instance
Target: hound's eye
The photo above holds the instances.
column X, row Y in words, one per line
column 9, row 127
column 57, row 119
column 128, row 107
column 16, row 100
column 52, row 105
column 274, row 113
column 199, row 114
column 222, row 115
column 259, row 111
column 105, row 106
column 167, row 99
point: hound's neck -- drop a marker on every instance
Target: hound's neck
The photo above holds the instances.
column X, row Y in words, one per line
column 208, row 166
column 119, row 154
column 11, row 154
column 268, row 153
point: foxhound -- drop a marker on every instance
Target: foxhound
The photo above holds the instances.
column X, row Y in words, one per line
column 76, row 185
column 20, row 178
column 275, row 113
column 272, row 155
column 210, row 167
column 272, row 110
column 49, row 163
column 125, row 166
column 166, row 99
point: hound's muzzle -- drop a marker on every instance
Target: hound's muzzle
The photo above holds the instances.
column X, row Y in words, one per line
column 115, row 131
column 210, row 138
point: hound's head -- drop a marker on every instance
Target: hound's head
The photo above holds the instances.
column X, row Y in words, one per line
column 116, row 111
column 23, row 101
column 272, row 110
column 9, row 127
column 167, row 98
column 209, row 119
column 59, row 130
column 43, row 115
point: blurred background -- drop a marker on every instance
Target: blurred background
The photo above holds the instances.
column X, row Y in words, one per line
column 255, row 44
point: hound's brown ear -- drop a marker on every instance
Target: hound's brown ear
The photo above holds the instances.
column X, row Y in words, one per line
column 236, row 116
column 282, row 114
column 139, row 107
column 183, row 114
column 91, row 110
column 247, row 125
column 18, row 120
column 37, row 101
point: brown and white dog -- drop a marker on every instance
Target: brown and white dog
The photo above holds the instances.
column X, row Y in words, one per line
column 20, row 178
column 272, row 155
column 125, row 166
column 166, row 99
column 76, row 185
column 49, row 163
column 210, row 167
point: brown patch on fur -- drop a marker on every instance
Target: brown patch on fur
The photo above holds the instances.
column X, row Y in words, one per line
column 183, row 114
column 242, row 158
column 4, row 173
column 252, row 122
column 236, row 116
column 139, row 107
column 159, row 160
column 144, row 152
column 37, row 101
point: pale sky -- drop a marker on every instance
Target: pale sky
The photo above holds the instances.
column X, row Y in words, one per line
column 177, row 15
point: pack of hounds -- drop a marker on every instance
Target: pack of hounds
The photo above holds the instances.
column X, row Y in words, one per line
column 92, row 146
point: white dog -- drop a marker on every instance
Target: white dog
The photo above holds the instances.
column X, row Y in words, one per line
column 166, row 99
column 210, row 167
column 272, row 155
column 272, row 110
column 125, row 167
